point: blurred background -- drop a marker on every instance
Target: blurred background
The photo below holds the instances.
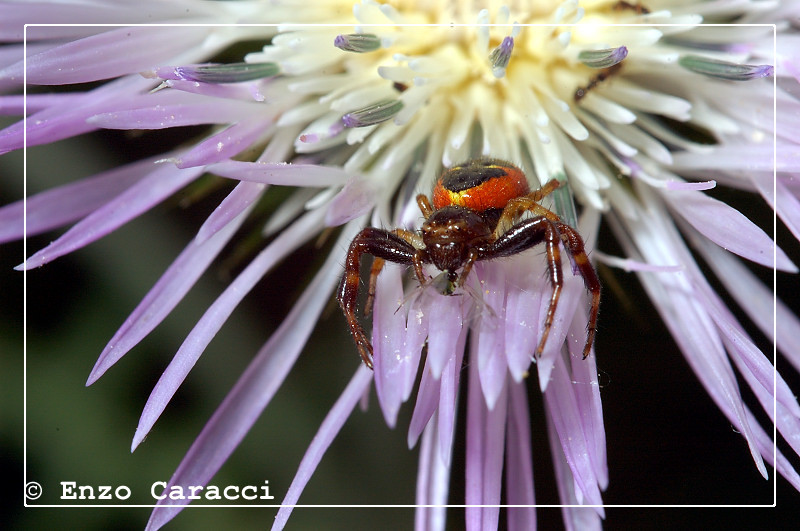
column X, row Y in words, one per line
column 667, row 441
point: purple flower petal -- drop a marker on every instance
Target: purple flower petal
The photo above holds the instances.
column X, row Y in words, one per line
column 244, row 195
column 65, row 204
column 109, row 54
column 519, row 463
column 484, row 454
column 767, row 448
column 576, row 518
column 69, row 118
column 728, row 228
column 163, row 297
column 491, row 351
column 388, row 332
column 414, row 340
column 433, row 481
column 755, row 298
column 427, row 401
column 68, row 18
column 256, row 387
column 216, row 315
column 587, row 394
column 280, row 173
column 224, row 144
column 563, row 409
column 697, row 337
column 354, row 200
column 244, row 92
column 522, row 319
column 572, row 294
column 140, row 197
column 448, row 400
column 443, row 330
column 197, row 110
column 328, row 430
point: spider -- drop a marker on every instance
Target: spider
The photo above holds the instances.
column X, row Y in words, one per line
column 475, row 215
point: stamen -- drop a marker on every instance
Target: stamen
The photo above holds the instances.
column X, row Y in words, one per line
column 500, row 56
column 357, row 42
column 373, row 114
column 724, row 69
column 603, row 58
column 227, row 73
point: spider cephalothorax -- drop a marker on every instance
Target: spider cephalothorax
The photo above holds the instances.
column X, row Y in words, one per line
column 475, row 215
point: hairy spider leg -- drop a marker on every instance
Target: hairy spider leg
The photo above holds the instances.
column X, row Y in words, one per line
column 527, row 203
column 381, row 244
column 574, row 244
column 377, row 265
column 527, row 234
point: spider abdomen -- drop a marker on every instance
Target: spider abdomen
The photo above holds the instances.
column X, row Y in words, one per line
column 480, row 185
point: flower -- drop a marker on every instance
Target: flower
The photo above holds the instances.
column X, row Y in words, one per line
column 637, row 119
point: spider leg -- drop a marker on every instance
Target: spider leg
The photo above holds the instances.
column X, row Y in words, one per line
column 527, row 203
column 574, row 244
column 522, row 236
column 383, row 245
column 424, row 205
column 377, row 265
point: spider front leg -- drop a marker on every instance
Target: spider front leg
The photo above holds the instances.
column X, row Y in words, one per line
column 574, row 244
column 527, row 203
column 383, row 245
column 522, row 236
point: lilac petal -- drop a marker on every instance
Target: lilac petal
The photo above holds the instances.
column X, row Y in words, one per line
column 414, row 340
column 728, row 228
column 163, row 297
column 756, row 299
column 256, row 387
column 572, row 294
column 519, row 463
column 448, row 400
column 216, row 315
column 137, row 199
column 59, row 206
column 783, row 417
column 198, row 110
column 685, row 316
column 491, row 351
column 523, row 320
column 69, row 17
column 576, row 518
column 282, row 173
column 224, row 144
column 240, row 199
column 587, row 394
column 328, row 431
column 106, row 55
column 696, row 335
column 766, row 446
column 354, row 200
column 14, row 105
column 484, row 455
column 433, row 482
column 563, row 409
column 69, row 119
column 786, row 205
column 752, row 362
column 244, row 91
column 388, row 331
column 427, row 400
column 443, row 330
